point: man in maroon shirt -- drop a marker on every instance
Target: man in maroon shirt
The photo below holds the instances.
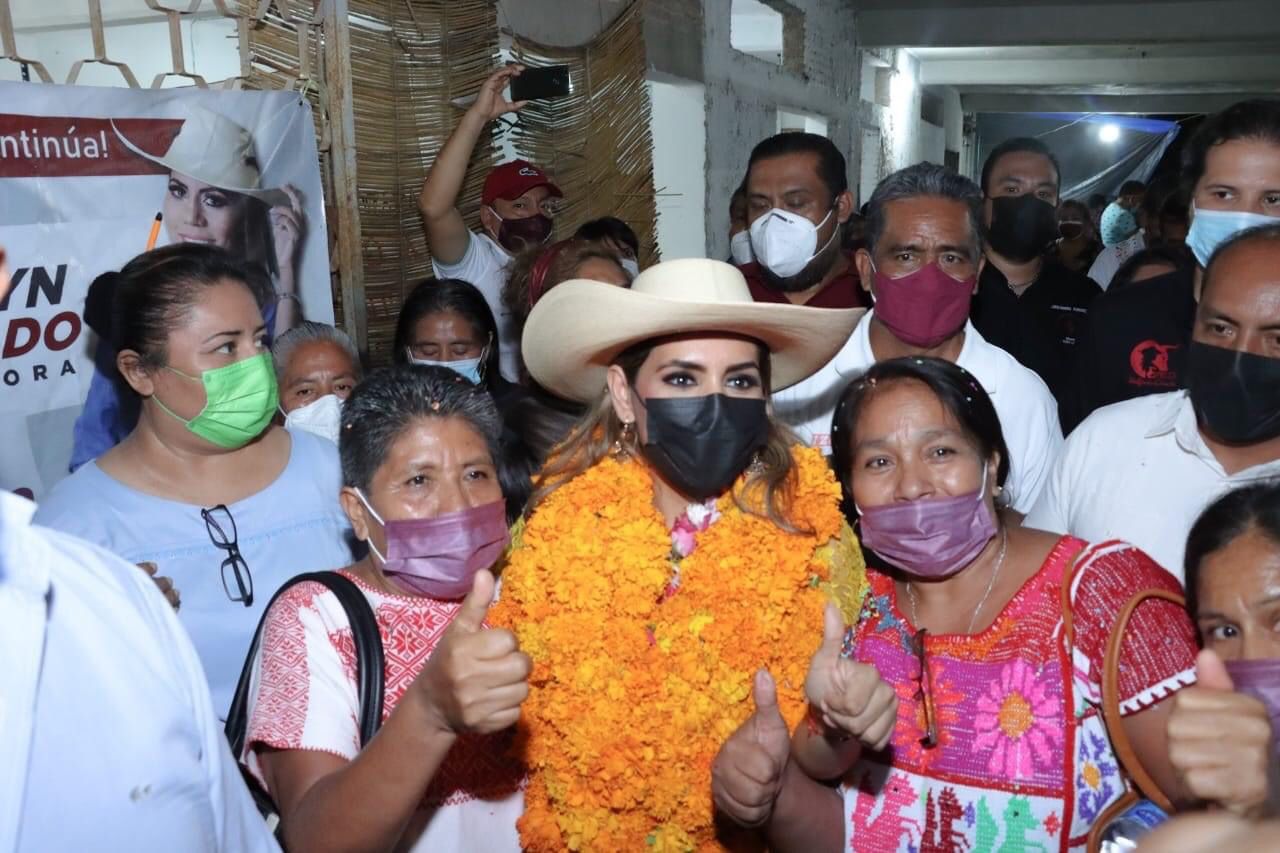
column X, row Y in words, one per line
column 798, row 202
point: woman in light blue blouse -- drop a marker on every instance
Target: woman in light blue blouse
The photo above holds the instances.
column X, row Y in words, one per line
column 225, row 505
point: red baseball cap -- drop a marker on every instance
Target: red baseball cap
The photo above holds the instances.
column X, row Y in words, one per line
column 512, row 180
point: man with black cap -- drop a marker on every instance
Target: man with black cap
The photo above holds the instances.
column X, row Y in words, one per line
column 516, row 212
column 1027, row 304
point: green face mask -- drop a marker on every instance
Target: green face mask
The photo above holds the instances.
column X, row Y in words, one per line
column 240, row 400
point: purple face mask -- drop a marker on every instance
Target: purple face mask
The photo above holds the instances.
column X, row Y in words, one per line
column 1261, row 680
column 440, row 556
column 931, row 538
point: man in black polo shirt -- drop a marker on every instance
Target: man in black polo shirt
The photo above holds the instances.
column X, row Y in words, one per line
column 1027, row 304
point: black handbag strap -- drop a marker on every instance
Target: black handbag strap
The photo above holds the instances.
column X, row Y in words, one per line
column 369, row 659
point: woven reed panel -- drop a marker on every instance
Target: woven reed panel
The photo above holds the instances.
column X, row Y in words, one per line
column 597, row 142
column 409, row 59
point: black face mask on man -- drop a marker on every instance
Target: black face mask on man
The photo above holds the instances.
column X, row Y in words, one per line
column 1022, row 226
column 1236, row 394
column 701, row 445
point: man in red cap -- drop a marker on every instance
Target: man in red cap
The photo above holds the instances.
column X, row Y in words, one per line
column 516, row 212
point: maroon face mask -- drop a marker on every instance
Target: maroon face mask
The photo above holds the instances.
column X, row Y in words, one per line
column 515, row 235
column 923, row 308
column 440, row 556
column 1261, row 680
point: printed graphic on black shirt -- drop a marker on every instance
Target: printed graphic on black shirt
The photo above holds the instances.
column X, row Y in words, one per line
column 1150, row 361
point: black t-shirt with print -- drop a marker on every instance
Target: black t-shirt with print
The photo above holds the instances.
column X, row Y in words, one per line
column 1134, row 344
column 1040, row 329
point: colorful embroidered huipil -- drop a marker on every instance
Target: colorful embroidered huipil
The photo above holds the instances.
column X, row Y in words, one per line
column 1023, row 761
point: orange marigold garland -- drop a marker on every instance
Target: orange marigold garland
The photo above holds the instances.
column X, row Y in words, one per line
column 632, row 695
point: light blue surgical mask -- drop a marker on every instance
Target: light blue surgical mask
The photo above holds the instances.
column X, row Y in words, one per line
column 1211, row 228
column 470, row 369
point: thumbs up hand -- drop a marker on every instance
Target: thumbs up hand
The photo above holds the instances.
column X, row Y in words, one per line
column 1220, row 742
column 852, row 698
column 476, row 678
column 746, row 775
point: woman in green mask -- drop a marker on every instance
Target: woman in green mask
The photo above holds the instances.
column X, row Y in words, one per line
column 222, row 505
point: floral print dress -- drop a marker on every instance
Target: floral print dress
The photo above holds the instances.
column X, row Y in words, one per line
column 1023, row 761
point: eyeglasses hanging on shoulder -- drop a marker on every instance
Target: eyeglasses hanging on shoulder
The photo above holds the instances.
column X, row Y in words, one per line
column 217, row 522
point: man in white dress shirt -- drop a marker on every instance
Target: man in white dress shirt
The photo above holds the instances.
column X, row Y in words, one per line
column 108, row 738
column 921, row 266
column 1143, row 470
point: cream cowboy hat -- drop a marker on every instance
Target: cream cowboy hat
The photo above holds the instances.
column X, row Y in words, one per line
column 214, row 149
column 578, row 328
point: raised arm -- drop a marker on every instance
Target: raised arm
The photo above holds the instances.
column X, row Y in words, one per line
column 447, row 234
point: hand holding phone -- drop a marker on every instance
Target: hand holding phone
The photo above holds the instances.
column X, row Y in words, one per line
column 536, row 84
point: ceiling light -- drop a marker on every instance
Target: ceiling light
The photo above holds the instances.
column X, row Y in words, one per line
column 1109, row 133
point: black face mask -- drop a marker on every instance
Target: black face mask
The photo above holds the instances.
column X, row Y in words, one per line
column 515, row 235
column 701, row 444
column 1022, row 226
column 1236, row 395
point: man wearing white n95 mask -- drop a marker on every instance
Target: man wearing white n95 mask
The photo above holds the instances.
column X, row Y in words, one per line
column 798, row 202
column 317, row 367
column 108, row 738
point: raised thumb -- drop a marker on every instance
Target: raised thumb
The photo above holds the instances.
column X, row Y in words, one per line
column 476, row 605
column 765, row 692
column 1211, row 672
column 833, row 630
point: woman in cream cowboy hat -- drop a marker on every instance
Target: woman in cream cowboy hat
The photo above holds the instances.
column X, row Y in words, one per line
column 679, row 540
column 215, row 196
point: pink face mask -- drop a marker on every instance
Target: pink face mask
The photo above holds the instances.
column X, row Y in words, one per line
column 923, row 308
column 440, row 556
column 1261, row 680
column 932, row 538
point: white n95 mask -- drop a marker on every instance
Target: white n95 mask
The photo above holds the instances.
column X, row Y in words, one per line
column 321, row 417
column 785, row 242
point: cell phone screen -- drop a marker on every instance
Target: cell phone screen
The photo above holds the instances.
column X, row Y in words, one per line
column 536, row 84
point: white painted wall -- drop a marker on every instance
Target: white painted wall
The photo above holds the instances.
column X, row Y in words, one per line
column 60, row 35
column 679, row 167
column 744, row 95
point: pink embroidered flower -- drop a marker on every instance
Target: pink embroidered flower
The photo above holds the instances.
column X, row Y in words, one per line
column 1019, row 722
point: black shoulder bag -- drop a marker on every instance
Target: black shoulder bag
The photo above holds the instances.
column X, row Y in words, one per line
column 369, row 664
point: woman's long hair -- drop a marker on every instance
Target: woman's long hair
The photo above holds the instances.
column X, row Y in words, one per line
column 601, row 431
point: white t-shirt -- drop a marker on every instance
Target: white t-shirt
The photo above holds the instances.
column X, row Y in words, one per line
column 1138, row 471
column 484, row 265
column 1110, row 259
column 1027, row 411
column 108, row 739
column 304, row 696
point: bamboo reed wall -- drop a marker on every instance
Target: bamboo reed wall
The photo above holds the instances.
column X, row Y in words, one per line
column 380, row 76
column 408, row 60
column 598, row 141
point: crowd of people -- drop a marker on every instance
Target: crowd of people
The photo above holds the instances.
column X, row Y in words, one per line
column 784, row 550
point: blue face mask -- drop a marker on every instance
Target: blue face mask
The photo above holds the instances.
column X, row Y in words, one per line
column 1211, row 228
column 470, row 369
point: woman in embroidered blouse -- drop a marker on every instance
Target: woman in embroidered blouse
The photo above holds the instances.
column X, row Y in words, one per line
column 999, row 743
column 420, row 485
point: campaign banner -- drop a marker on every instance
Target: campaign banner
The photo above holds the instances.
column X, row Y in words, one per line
column 84, row 174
